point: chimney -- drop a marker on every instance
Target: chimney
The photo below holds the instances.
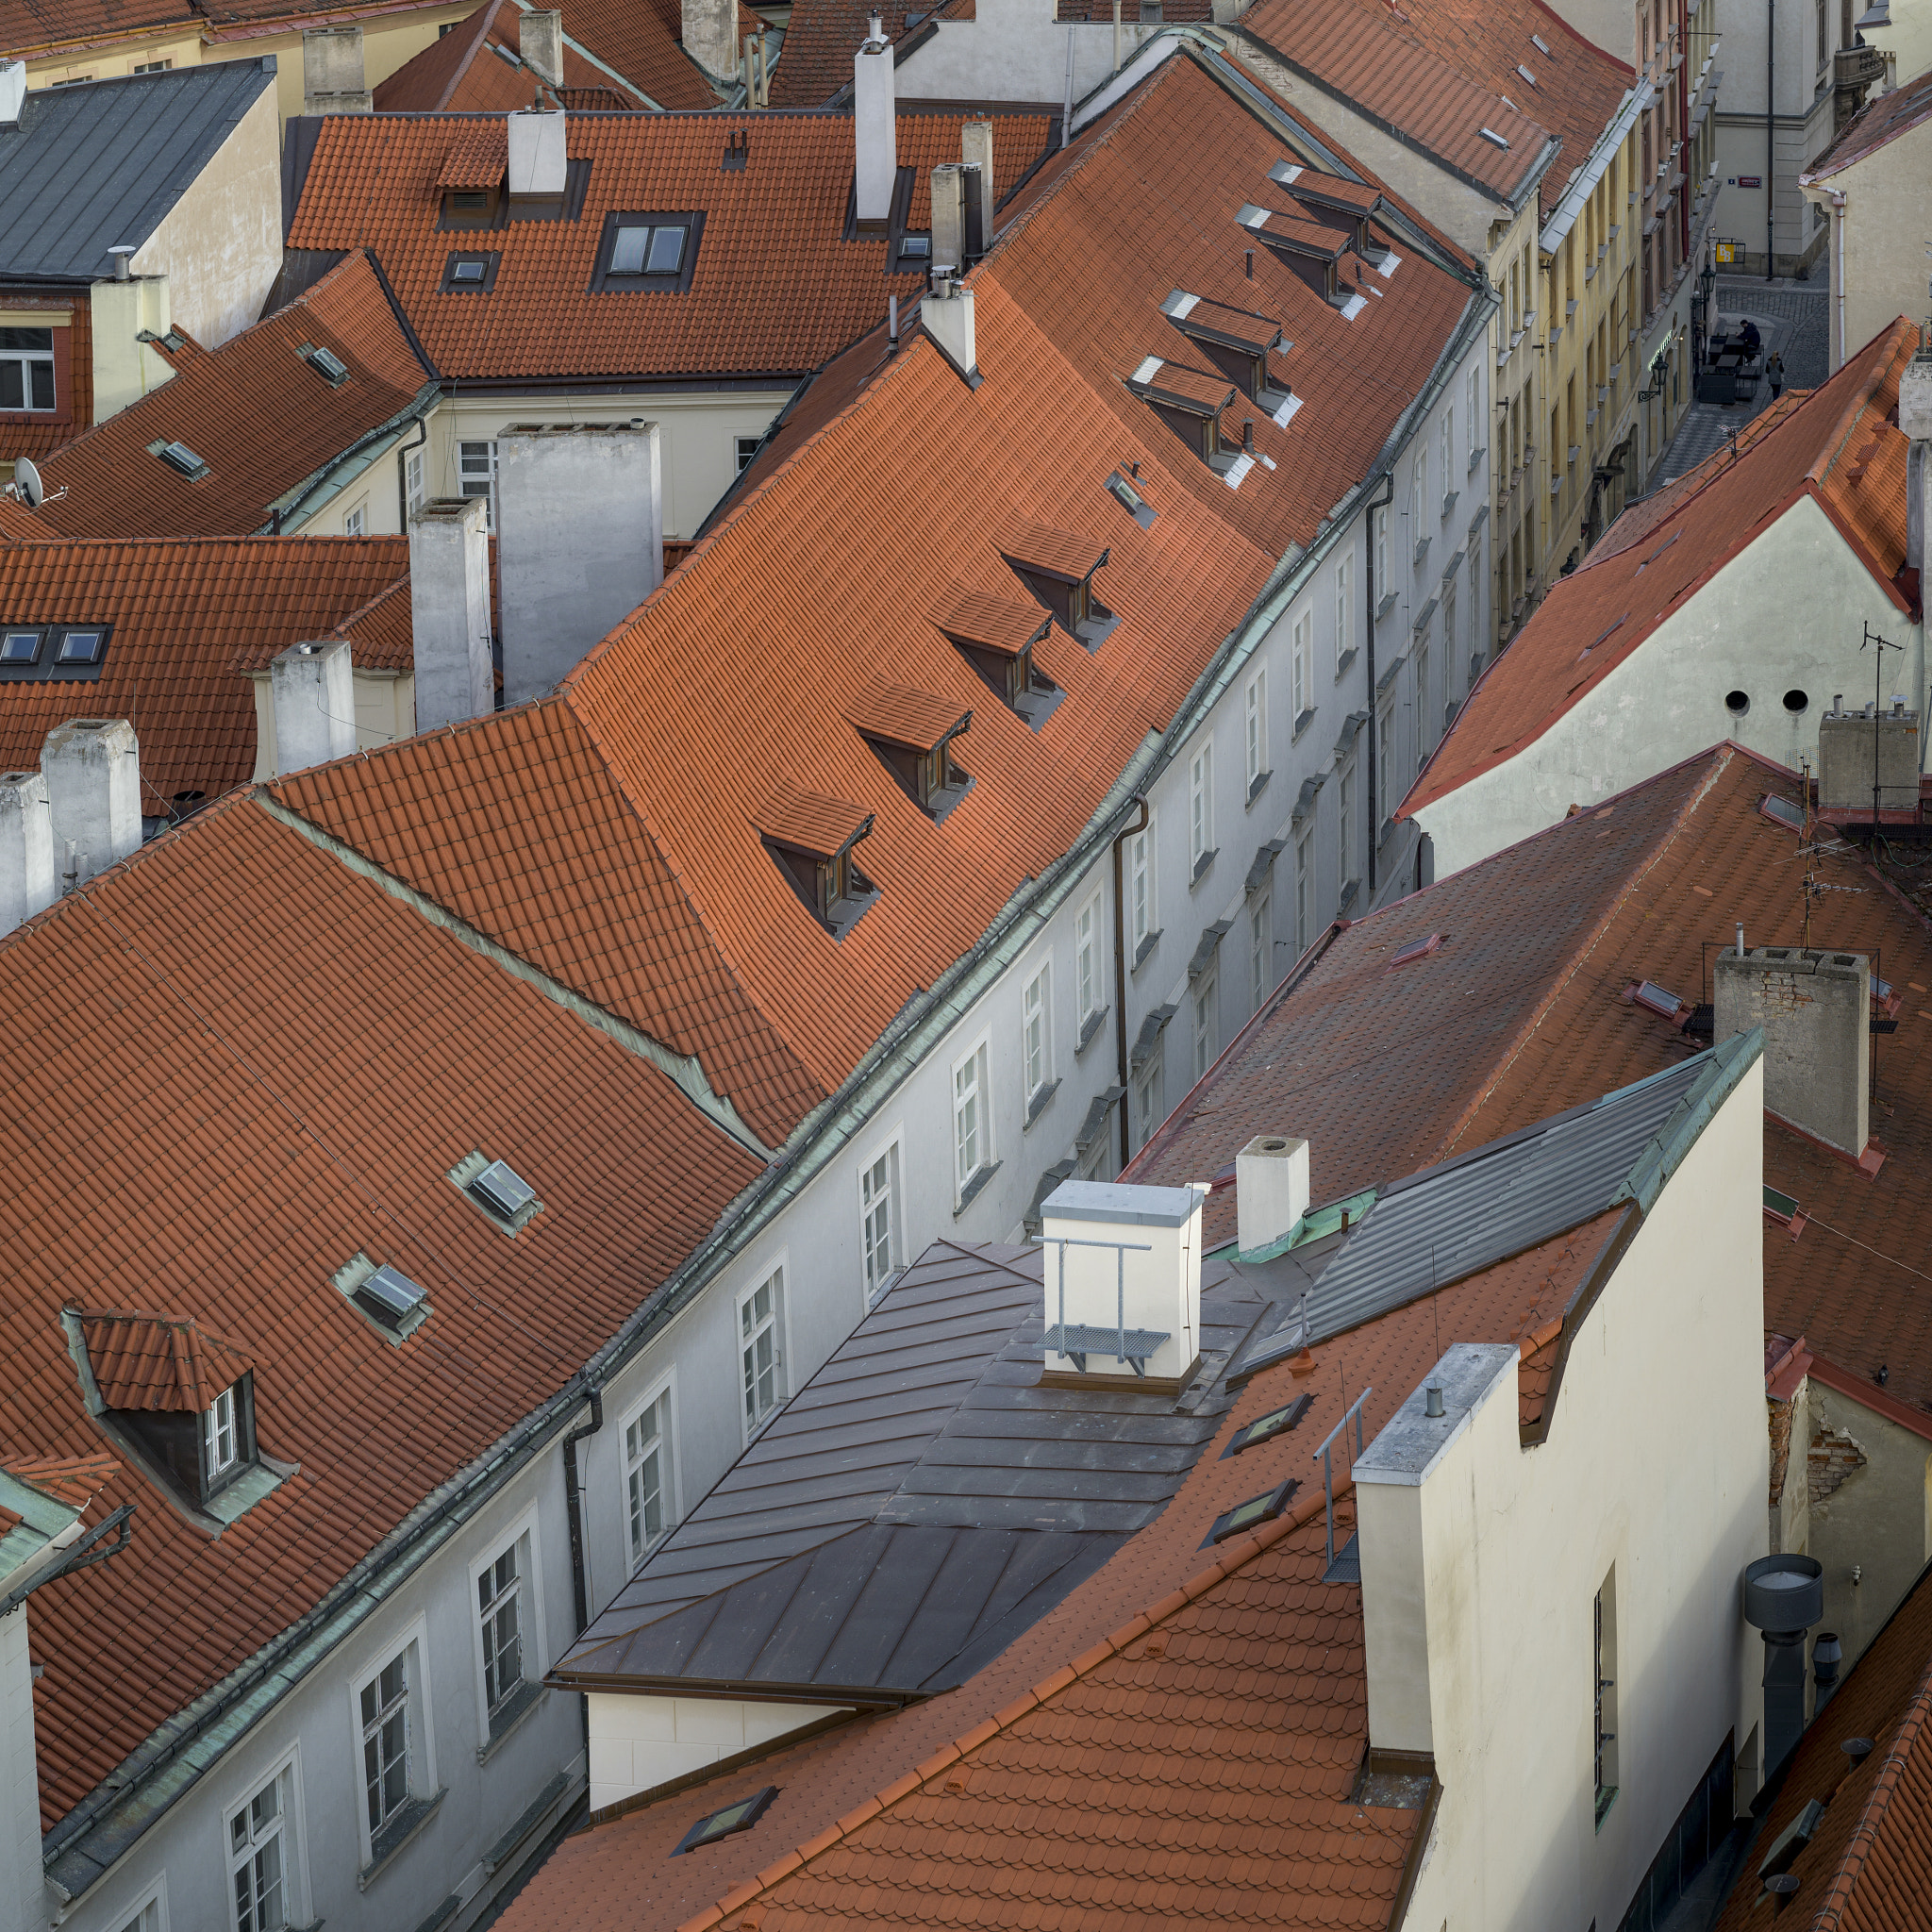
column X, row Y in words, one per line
column 313, row 689
column 1271, row 1179
column 27, row 848
column 1816, row 1011
column 1859, row 749
column 1418, row 1524
column 93, row 769
column 13, row 91
column 580, row 543
column 874, row 131
column 976, row 151
column 949, row 180
column 1122, row 1275
column 449, row 611
column 540, row 40
column 538, row 165
column 710, row 36
column 947, row 313
column 1915, row 418
column 123, row 306
column 333, row 81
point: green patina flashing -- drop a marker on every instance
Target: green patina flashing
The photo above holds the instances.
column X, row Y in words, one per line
column 1664, row 1152
column 1316, row 1224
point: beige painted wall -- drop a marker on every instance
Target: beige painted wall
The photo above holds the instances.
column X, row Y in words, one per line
column 637, row 1742
column 384, row 711
column 125, row 367
column 1887, row 242
column 1655, row 1469
column 221, row 244
column 1786, row 614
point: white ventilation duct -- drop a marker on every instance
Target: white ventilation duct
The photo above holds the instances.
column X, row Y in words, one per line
column 93, row 769
column 947, row 313
column 1271, row 1178
column 314, row 688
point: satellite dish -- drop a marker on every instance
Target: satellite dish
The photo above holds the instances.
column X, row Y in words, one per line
column 26, row 479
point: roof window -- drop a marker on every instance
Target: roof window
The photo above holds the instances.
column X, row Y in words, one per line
column 733, row 1818
column 648, row 251
column 325, row 363
column 21, row 647
column 811, row 839
column 498, row 1189
column 1057, row 566
column 1418, row 949
column 80, row 647
column 384, row 1296
column 1266, row 1428
column 1251, row 1514
column 912, row 733
column 1131, row 500
column 997, row 637
column 470, row 272
column 52, row 653
column 177, row 455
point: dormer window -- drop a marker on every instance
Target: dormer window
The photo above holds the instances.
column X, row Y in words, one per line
column 1238, row 345
column 997, row 637
column 1057, row 567
column 470, row 208
column 1190, row 402
column 811, row 838
column 1317, row 253
column 1334, row 203
column 220, row 1438
column 911, row 733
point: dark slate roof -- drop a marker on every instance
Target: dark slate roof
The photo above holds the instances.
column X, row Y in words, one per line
column 917, row 1506
column 93, row 166
column 1468, row 1214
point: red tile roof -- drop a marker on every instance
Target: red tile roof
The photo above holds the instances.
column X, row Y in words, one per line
column 643, row 41
column 222, row 403
column 259, row 998
column 185, row 614
column 1868, row 1865
column 1840, row 445
column 1878, row 123
column 141, row 1360
column 71, row 1480
column 29, row 26
column 465, row 71
column 775, row 288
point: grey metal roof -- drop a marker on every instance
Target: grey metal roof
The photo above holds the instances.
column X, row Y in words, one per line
column 100, row 164
column 1485, row 1205
column 917, row 1506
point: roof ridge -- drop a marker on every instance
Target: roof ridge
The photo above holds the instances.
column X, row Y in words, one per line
column 1721, row 762
column 1865, row 392
column 1238, row 1553
column 1873, row 1819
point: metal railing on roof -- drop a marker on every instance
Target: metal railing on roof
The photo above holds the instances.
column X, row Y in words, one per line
column 1348, row 1568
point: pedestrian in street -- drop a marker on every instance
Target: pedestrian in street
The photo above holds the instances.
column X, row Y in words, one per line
column 1774, row 371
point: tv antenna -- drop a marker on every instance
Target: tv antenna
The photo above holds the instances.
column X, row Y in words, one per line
column 1878, row 646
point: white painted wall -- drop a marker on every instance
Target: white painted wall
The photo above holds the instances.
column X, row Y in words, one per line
column 21, row 1905
column 639, row 1742
column 1880, row 268
column 1786, row 614
column 1014, row 50
column 1514, row 1544
column 384, row 711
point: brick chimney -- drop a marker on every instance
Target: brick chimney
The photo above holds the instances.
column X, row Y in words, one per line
column 313, row 689
column 449, row 611
column 1271, row 1191
column 874, row 130
column 1816, row 1011
column 540, row 40
column 27, row 848
column 1915, row 418
column 93, row 769
column 333, row 81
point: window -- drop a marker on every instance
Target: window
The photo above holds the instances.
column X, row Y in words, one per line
column 1262, row 1508
column 1385, row 757
column 259, row 1860
column 1036, row 1030
column 1260, row 949
column 1303, row 890
column 499, row 1609
column 1605, row 1695
column 1254, row 706
column 716, row 1825
column 1206, row 990
column 1200, row 809
column 20, row 647
column 325, row 363
column 1345, row 612
column 221, row 1445
column 1423, row 727
column 1381, row 519
column 878, row 1222
column 80, row 647
column 385, row 1704
column 1141, row 888
column 1448, row 455
column 179, row 457
column 655, row 250
column 470, row 271
column 1147, row 1109
column 1302, row 659
column 744, row 448
column 758, row 1348
column 972, row 1129
column 149, row 1917
column 1346, row 827
column 647, row 1474
column 1823, row 44
column 415, row 489
column 154, row 67
column 26, row 369
column 477, row 476
column 645, row 252
column 356, row 522
column 1087, row 968
column 1472, row 414
column 1417, row 529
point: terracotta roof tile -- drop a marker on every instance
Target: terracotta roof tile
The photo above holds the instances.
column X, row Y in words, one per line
column 28, row 27
column 1000, row 624
column 219, row 402
column 147, row 1361
column 1839, row 445
column 1878, row 123
column 477, row 155
column 812, row 823
column 72, row 1480
column 642, row 40
column 466, row 72
column 915, row 719
column 185, row 614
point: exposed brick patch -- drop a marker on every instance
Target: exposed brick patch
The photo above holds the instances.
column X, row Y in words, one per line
column 1780, row 1448
column 1833, row 1458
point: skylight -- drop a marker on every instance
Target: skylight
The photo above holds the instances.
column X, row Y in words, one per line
column 503, row 1190
column 1491, row 134
column 325, row 363
column 1541, row 46
column 733, row 1818
column 648, row 251
column 469, row 271
column 1131, row 501
column 1658, row 999
column 20, row 647
column 390, row 1296
column 80, row 647
column 1417, row 949
column 177, row 455
column 1252, row 1513
column 1266, row 1428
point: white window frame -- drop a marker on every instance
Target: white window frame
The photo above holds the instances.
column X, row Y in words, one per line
column 487, row 476
column 1302, row 663
column 742, row 458
column 415, row 480
column 213, row 1427
column 1422, row 690
column 1473, row 411
column 1379, row 520
column 1090, row 976
column 28, row 359
column 1036, row 1031
column 873, row 1283
column 775, row 1274
column 1345, row 607
column 1261, row 945
column 1385, row 759
column 1203, row 1011
column 1345, row 810
column 1146, row 1093
column 1448, row 454
column 1141, row 889
column 663, row 1392
column 1200, row 806
column 1304, row 891
column 371, row 1659
column 1255, row 727
column 1418, row 528
column 147, row 1911
column 286, row 1771
column 978, row 1057
column 355, row 521
column 521, row 1535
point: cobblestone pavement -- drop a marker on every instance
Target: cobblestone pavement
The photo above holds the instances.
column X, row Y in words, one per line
column 1794, row 319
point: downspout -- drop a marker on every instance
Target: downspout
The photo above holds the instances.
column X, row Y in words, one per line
column 1770, row 139
column 1838, row 242
column 1374, row 504
column 402, row 471
column 572, row 1500
column 1120, row 975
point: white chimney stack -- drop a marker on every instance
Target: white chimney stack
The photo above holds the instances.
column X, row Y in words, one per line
column 874, row 130
column 949, row 181
column 314, row 687
column 1271, row 1180
column 1123, row 1274
column 710, row 36
column 947, row 313
column 1915, row 418
column 580, row 543
column 333, row 81
column 27, row 848
column 13, row 91
column 449, row 611
column 540, row 40
column 1816, row 1011
column 93, row 769
column 537, row 164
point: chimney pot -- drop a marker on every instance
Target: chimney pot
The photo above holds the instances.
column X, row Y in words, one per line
column 27, row 848
column 874, row 132
column 1432, row 1400
column 1271, row 1191
column 1815, row 1008
column 93, row 769
column 122, row 252
column 449, row 611
column 1247, row 436
column 313, row 691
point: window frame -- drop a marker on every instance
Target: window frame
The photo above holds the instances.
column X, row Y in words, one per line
column 1037, row 988
column 1255, row 730
column 661, row 1394
column 744, row 457
column 890, row 1153
column 356, row 519
column 1147, row 1097
column 522, row 1534
column 1204, row 1014
column 147, row 1911
column 1201, row 847
column 419, row 1777
column 1344, row 612
column 1344, row 800
column 285, row 1773
column 1261, row 944
column 416, row 480
column 486, row 476
column 492, row 260
column 774, row 1275
column 30, row 358
column 606, row 280
column 1304, row 891
column 1143, row 906
column 966, row 1182
column 1090, row 965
